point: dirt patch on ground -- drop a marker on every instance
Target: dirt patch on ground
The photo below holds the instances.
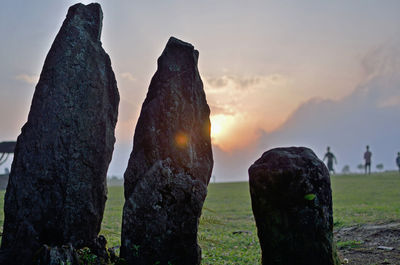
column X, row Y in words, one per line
column 369, row 244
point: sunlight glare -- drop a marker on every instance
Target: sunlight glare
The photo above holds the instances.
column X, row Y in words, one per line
column 220, row 125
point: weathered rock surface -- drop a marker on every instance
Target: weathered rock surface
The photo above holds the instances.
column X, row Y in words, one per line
column 65, row 254
column 57, row 187
column 292, row 205
column 170, row 165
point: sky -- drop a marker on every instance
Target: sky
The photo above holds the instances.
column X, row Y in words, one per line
column 276, row 73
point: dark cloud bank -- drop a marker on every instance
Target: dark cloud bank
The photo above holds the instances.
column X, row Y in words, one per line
column 370, row 115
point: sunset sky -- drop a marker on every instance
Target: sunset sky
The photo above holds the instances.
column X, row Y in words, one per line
column 281, row 73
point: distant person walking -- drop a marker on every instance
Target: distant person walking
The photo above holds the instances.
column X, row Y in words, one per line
column 367, row 158
column 398, row 161
column 330, row 156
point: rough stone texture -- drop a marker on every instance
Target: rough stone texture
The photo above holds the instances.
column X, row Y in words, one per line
column 170, row 165
column 292, row 205
column 57, row 188
column 57, row 255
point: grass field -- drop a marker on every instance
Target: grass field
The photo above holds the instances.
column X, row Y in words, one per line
column 227, row 232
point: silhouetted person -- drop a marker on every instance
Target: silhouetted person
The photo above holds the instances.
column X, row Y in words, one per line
column 330, row 156
column 398, row 161
column 367, row 158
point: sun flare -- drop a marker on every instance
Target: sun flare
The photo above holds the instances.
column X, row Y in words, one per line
column 217, row 126
column 233, row 132
column 216, row 129
column 221, row 129
column 181, row 140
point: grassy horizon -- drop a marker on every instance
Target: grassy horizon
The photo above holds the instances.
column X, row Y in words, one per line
column 227, row 232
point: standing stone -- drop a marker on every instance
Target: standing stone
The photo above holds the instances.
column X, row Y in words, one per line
column 170, row 165
column 57, row 188
column 292, row 205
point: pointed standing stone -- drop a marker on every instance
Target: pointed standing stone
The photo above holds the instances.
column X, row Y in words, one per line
column 170, row 165
column 292, row 204
column 57, row 188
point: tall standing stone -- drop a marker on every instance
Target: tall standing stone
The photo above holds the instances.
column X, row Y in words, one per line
column 292, row 205
column 170, row 165
column 57, row 187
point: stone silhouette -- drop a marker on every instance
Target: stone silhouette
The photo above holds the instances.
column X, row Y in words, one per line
column 57, row 188
column 170, row 165
column 292, row 205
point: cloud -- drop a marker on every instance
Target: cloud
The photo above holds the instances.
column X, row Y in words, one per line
column 244, row 82
column 240, row 104
column 346, row 125
column 218, row 82
column 127, row 76
column 221, row 110
column 390, row 102
column 382, row 60
column 29, row 79
column 368, row 115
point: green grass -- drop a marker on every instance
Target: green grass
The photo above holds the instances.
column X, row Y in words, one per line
column 349, row 244
column 112, row 220
column 229, row 203
column 361, row 199
column 357, row 199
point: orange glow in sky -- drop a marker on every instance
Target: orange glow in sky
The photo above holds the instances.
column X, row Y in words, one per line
column 218, row 122
column 230, row 132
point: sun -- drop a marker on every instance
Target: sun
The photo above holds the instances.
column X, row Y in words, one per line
column 216, row 129
column 219, row 125
column 232, row 132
